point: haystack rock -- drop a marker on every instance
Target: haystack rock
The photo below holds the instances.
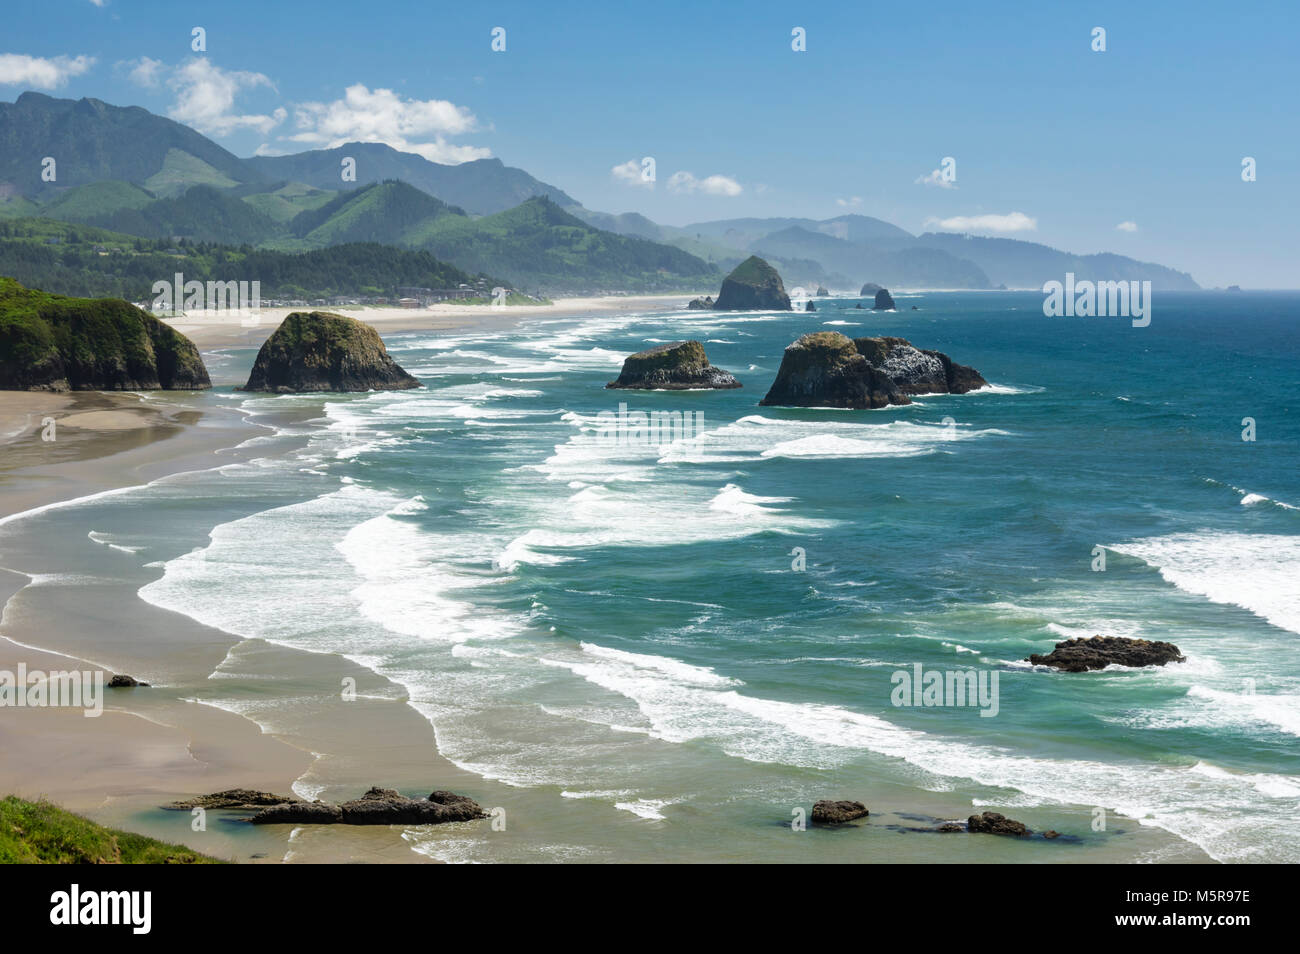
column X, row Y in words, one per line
column 322, row 351
column 753, row 285
column 884, row 301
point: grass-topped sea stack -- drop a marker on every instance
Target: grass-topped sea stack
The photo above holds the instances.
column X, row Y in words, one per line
column 676, row 366
column 53, row 343
column 322, row 351
column 752, row 285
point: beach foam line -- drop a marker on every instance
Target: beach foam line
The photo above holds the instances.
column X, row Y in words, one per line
column 686, row 703
column 1256, row 571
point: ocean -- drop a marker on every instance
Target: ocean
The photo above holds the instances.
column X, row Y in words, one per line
column 667, row 651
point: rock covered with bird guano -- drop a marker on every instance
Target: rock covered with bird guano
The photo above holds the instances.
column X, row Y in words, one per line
column 54, row 343
column 994, row 823
column 753, row 285
column 827, row 812
column 827, row 369
column 322, row 351
column 884, row 301
column 675, row 366
column 1098, row 652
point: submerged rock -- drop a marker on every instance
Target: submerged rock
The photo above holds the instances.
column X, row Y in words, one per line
column 322, row 351
column 753, row 285
column 1098, row 652
column 299, row 813
column 993, row 823
column 828, row 812
column 675, row 366
column 54, row 343
column 884, row 301
column 827, row 369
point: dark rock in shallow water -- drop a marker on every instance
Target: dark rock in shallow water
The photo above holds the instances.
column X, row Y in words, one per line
column 322, row 351
column 753, row 285
column 126, row 682
column 828, row 812
column 992, row 823
column 675, row 366
column 826, row 369
column 235, row 798
column 701, row 304
column 1051, row 834
column 950, row 827
column 379, row 806
column 1098, row 652
column 884, row 302
column 299, row 813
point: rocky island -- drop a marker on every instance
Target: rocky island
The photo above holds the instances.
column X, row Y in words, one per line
column 675, row 366
column 54, row 343
column 827, row 369
column 322, row 351
column 884, row 301
column 1098, row 652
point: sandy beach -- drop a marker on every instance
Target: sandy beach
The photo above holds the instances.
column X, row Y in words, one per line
column 152, row 746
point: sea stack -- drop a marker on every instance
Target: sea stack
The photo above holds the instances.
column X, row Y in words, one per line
column 822, row 292
column 54, row 343
column 753, row 285
column 676, row 366
column 827, row 369
column 322, row 351
column 870, row 288
column 884, row 301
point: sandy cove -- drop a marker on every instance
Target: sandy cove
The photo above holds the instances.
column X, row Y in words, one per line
column 151, row 746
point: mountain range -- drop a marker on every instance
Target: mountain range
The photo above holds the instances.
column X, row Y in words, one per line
column 130, row 171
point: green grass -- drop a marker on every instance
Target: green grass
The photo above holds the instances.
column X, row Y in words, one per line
column 180, row 171
column 41, row 833
column 100, row 198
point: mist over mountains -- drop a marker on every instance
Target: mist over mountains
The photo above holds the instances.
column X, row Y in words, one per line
column 132, row 172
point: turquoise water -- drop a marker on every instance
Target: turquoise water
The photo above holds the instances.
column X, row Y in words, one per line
column 620, row 633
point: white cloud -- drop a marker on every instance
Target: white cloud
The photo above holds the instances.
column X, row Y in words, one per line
column 629, row 173
column 710, row 185
column 100, row 3
column 1011, row 222
column 145, row 71
column 935, row 178
column 205, row 99
column 381, row 115
column 850, row 203
column 19, row 69
column 266, row 149
column 1127, row 226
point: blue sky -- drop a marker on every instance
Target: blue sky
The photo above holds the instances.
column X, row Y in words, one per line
column 1053, row 142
